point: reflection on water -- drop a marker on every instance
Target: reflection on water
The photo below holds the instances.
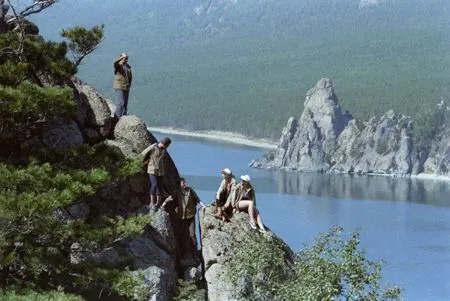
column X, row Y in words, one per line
column 342, row 186
column 394, row 215
column 365, row 187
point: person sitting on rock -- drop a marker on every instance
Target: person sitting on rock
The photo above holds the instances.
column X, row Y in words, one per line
column 187, row 200
column 225, row 188
column 243, row 198
column 154, row 155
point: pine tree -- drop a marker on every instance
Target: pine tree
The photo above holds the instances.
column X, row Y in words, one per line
column 35, row 89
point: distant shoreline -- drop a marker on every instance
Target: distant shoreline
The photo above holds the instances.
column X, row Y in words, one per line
column 239, row 139
column 228, row 137
column 428, row 176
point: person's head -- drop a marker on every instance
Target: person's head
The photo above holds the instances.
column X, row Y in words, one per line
column 182, row 182
column 124, row 57
column 226, row 173
column 165, row 142
column 245, row 180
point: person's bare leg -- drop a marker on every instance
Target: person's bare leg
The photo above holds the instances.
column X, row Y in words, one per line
column 259, row 220
column 247, row 205
column 152, row 200
column 158, row 200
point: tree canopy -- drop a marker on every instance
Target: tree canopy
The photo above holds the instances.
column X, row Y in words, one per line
column 36, row 182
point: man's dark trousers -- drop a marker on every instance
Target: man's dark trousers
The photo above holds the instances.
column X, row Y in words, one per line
column 122, row 105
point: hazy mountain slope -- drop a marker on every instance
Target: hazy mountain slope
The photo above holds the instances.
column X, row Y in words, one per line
column 245, row 65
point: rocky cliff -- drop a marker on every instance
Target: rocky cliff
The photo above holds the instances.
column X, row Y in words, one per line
column 220, row 244
column 324, row 139
column 154, row 252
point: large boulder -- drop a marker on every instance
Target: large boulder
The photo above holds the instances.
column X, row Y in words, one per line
column 219, row 246
column 152, row 254
column 132, row 137
column 93, row 110
column 134, row 131
column 62, row 134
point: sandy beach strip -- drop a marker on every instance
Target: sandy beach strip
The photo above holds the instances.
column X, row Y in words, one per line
column 228, row 137
column 427, row 176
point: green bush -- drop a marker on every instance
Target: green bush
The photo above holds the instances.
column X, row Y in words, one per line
column 329, row 269
column 191, row 291
column 29, row 295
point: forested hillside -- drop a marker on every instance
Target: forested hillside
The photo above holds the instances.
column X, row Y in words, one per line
column 246, row 65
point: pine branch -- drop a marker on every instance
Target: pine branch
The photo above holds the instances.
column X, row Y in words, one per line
column 20, row 25
column 36, row 7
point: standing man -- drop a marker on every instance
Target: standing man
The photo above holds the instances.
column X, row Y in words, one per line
column 154, row 155
column 186, row 208
column 122, row 83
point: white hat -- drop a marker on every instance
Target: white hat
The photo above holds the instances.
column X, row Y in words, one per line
column 246, row 178
column 226, row 171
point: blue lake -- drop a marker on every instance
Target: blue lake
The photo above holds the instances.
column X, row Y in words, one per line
column 405, row 222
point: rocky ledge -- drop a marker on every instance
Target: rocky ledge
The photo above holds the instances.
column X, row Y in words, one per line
column 325, row 139
column 220, row 244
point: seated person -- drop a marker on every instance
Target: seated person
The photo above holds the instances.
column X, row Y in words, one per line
column 225, row 188
column 243, row 198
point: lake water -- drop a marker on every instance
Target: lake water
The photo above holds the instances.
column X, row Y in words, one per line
column 405, row 222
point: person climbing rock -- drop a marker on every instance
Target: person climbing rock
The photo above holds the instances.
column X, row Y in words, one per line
column 122, row 83
column 187, row 201
column 154, row 155
column 243, row 198
column 225, row 188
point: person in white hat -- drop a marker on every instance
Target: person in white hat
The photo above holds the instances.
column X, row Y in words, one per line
column 243, row 198
column 225, row 188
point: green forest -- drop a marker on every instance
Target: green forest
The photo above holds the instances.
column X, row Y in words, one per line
column 246, row 66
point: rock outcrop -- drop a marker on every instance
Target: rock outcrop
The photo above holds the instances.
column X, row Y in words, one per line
column 324, row 139
column 93, row 113
column 438, row 159
column 152, row 254
column 219, row 245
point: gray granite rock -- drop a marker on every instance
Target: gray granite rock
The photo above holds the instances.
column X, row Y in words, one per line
column 134, row 131
column 62, row 134
column 327, row 140
column 218, row 248
column 95, row 107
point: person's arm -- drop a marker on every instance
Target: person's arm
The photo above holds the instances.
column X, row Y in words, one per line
column 116, row 63
column 253, row 196
column 221, row 188
column 130, row 75
column 178, row 205
column 230, row 198
column 197, row 199
column 148, row 150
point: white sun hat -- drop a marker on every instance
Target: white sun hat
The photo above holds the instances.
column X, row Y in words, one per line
column 226, row 171
column 246, row 178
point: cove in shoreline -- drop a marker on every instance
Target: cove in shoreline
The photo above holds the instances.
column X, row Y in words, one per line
column 228, row 137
